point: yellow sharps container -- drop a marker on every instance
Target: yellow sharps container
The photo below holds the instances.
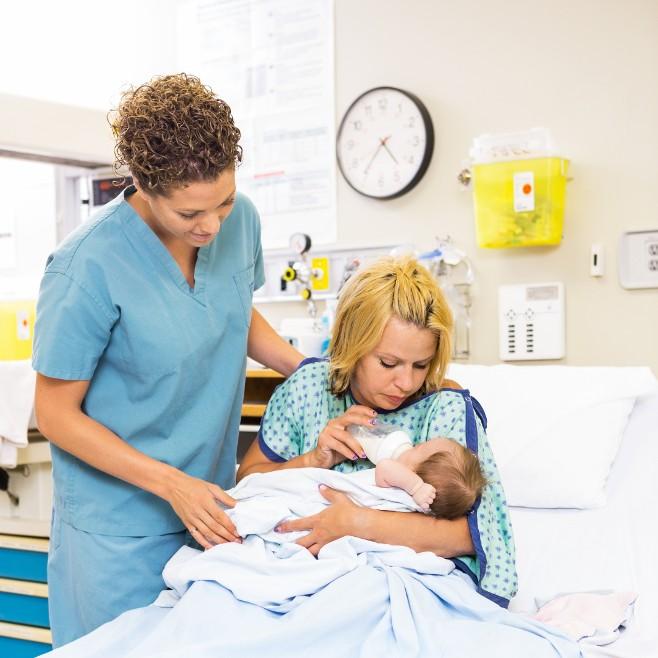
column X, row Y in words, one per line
column 519, row 190
column 16, row 329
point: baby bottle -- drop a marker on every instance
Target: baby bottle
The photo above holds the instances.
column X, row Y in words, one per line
column 381, row 441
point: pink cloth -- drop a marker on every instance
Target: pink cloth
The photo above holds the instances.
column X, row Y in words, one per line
column 595, row 617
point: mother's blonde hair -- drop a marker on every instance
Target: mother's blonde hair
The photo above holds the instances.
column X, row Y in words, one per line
column 390, row 287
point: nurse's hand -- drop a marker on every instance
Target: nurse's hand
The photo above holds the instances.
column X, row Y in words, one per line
column 336, row 444
column 195, row 503
column 338, row 520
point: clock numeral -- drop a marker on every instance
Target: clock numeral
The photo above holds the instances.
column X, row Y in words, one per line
column 396, row 176
column 381, row 181
column 415, row 140
column 357, row 125
column 355, row 163
column 350, row 144
column 412, row 122
column 368, row 111
column 383, row 103
column 411, row 159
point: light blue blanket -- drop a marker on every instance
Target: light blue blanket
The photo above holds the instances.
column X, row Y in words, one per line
column 270, row 597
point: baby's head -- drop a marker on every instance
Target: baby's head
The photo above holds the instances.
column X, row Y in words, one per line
column 456, row 475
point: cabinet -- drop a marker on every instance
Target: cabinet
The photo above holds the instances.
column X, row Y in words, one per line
column 24, row 631
column 24, row 624
column 259, row 386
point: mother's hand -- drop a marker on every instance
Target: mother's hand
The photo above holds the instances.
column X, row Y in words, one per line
column 338, row 520
column 195, row 503
column 335, row 443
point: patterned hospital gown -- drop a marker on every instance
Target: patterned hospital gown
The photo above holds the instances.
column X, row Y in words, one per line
column 301, row 407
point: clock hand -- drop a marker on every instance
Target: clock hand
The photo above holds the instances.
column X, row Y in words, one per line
column 374, row 155
column 388, row 150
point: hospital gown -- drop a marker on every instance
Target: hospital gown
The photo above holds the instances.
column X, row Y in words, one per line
column 301, row 407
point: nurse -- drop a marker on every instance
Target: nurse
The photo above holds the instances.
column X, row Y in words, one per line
column 145, row 318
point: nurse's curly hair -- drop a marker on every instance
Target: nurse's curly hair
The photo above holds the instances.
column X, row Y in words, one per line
column 173, row 130
column 390, row 287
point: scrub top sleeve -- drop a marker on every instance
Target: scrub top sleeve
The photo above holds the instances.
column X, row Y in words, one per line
column 72, row 329
column 280, row 437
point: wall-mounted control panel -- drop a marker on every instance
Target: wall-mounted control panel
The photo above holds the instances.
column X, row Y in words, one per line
column 531, row 321
column 638, row 259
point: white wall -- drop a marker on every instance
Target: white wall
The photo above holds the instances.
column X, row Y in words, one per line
column 83, row 52
column 28, row 191
column 585, row 69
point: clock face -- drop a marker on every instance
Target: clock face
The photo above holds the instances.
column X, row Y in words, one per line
column 385, row 143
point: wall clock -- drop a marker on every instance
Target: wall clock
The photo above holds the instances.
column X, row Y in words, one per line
column 385, row 143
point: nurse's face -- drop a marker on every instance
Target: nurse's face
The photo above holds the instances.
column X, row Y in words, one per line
column 396, row 368
column 193, row 213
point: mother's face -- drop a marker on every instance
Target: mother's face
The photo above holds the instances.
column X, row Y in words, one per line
column 396, row 368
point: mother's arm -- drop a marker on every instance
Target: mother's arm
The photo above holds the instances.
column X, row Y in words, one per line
column 417, row 531
column 413, row 529
column 335, row 444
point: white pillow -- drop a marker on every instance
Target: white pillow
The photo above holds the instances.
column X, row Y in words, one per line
column 555, row 430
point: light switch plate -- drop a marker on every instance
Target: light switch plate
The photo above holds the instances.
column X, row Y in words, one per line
column 637, row 260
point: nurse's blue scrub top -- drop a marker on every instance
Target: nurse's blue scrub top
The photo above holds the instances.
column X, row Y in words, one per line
column 166, row 363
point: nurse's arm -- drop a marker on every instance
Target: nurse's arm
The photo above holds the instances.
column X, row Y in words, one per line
column 267, row 347
column 58, row 409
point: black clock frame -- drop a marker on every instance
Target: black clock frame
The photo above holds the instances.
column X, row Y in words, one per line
column 429, row 144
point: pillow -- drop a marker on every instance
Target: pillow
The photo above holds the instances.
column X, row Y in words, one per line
column 555, row 430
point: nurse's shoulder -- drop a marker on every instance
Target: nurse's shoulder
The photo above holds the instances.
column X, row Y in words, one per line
column 91, row 242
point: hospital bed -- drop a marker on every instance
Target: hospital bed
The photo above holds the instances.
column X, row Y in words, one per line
column 582, row 522
column 612, row 544
column 614, row 547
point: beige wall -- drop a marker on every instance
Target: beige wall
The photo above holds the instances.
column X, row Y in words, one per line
column 54, row 129
column 585, row 69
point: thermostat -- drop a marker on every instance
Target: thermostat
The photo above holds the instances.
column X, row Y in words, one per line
column 531, row 321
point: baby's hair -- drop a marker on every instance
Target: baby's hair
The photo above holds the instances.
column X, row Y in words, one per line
column 458, row 479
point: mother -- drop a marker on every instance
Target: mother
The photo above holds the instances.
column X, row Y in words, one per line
column 388, row 359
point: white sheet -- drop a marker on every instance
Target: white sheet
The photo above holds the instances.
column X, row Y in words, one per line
column 614, row 547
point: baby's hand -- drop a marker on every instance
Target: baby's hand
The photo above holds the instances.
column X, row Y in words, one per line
column 425, row 495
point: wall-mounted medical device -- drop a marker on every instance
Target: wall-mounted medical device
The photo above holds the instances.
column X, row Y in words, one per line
column 452, row 269
column 519, row 185
column 638, row 259
column 16, row 329
column 531, row 321
column 104, row 185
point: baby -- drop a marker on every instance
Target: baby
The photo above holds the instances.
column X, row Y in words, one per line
column 441, row 475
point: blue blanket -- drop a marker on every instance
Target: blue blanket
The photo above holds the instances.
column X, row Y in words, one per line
column 270, row 597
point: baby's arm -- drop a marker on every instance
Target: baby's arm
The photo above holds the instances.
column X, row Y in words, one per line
column 392, row 473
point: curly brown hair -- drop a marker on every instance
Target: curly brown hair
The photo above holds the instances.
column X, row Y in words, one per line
column 173, row 130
